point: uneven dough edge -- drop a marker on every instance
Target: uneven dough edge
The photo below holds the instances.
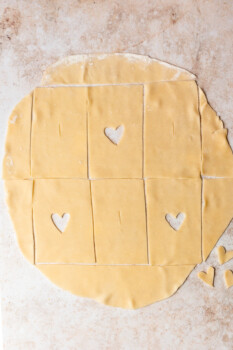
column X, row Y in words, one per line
column 217, row 211
column 118, row 68
column 19, row 202
column 138, row 279
column 16, row 161
column 128, row 287
column 217, row 155
column 120, row 286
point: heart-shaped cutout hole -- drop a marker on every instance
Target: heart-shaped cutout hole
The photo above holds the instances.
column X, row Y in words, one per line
column 114, row 135
column 175, row 222
column 61, row 222
column 207, row 277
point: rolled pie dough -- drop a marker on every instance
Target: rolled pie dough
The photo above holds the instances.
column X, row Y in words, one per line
column 119, row 143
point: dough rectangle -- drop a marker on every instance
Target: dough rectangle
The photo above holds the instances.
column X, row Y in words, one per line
column 119, row 221
column 174, row 196
column 111, row 107
column 59, row 133
column 76, row 244
column 172, row 130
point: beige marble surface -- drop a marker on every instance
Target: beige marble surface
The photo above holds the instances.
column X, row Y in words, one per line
column 196, row 35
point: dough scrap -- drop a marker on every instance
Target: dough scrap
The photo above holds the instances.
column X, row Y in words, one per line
column 228, row 274
column 207, row 277
column 223, row 255
column 56, row 167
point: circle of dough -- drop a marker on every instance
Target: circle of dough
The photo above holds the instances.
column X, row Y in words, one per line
column 113, row 144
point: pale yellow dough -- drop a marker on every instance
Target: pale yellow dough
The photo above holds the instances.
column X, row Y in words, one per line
column 217, row 158
column 113, row 106
column 172, row 130
column 207, row 277
column 217, row 211
column 19, row 200
column 112, row 69
column 166, row 246
column 75, row 245
column 228, row 274
column 117, row 246
column 59, row 134
column 17, row 159
column 120, row 221
column 129, row 287
column 223, row 255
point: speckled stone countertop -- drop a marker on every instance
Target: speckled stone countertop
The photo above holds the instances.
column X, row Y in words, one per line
column 193, row 34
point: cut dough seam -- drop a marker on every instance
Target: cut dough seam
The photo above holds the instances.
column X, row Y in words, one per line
column 96, row 85
column 33, row 224
column 30, row 160
column 147, row 238
column 87, row 128
column 143, row 133
column 112, row 265
column 93, row 223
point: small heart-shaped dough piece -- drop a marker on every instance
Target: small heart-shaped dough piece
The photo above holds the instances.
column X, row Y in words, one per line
column 61, row 222
column 228, row 278
column 175, row 222
column 223, row 255
column 114, row 135
column 207, row 277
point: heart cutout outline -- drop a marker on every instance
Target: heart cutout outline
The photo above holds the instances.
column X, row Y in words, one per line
column 61, row 222
column 114, row 135
column 208, row 276
column 175, row 222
